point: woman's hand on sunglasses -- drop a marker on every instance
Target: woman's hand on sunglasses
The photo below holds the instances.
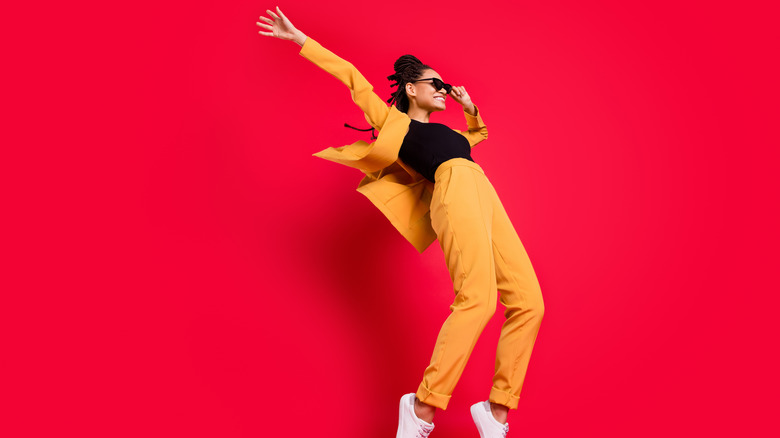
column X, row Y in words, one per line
column 281, row 27
column 460, row 95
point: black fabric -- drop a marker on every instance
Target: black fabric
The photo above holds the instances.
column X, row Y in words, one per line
column 427, row 145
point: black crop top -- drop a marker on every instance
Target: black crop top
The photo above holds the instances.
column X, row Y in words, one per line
column 427, row 145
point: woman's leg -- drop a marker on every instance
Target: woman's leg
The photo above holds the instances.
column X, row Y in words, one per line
column 521, row 294
column 461, row 211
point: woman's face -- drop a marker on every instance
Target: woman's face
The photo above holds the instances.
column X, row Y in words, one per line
column 425, row 95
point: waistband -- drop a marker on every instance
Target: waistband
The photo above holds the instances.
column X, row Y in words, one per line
column 452, row 162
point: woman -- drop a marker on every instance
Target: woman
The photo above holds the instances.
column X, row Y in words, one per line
column 421, row 175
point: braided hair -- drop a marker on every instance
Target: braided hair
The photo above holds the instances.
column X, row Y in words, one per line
column 407, row 69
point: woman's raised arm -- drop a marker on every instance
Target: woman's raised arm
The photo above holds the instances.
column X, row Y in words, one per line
column 374, row 108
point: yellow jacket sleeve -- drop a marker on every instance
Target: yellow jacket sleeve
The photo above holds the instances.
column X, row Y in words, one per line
column 374, row 108
column 477, row 130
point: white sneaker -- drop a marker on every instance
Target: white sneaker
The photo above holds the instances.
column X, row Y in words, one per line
column 486, row 423
column 409, row 426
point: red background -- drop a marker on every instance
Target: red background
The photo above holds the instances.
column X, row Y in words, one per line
column 178, row 264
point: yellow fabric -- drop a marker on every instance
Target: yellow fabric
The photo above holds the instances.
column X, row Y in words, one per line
column 483, row 253
column 398, row 191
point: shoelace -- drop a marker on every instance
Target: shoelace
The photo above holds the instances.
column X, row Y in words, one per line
column 505, row 430
column 424, row 431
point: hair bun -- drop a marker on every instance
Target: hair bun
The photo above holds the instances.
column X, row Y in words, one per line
column 405, row 62
column 401, row 66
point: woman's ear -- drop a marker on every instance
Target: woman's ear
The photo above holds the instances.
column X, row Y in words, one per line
column 410, row 89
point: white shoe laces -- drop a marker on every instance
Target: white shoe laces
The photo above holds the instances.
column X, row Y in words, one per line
column 424, row 431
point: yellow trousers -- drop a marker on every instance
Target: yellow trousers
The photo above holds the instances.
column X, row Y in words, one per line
column 484, row 255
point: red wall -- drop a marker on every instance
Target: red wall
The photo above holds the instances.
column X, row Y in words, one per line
column 180, row 265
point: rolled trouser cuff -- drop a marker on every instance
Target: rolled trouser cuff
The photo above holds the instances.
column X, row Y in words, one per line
column 429, row 397
column 503, row 398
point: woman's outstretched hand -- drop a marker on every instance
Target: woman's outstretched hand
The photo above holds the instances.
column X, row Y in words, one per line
column 460, row 95
column 281, row 27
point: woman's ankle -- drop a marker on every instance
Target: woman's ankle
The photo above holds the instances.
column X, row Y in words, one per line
column 424, row 411
column 500, row 412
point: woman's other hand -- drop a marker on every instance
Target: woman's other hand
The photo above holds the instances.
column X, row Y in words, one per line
column 462, row 97
column 281, row 27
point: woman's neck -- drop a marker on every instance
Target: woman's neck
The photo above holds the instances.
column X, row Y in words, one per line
column 419, row 114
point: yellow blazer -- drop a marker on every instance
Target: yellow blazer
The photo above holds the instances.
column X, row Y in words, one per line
column 402, row 194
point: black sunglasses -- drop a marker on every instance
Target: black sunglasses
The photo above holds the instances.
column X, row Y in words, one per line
column 438, row 84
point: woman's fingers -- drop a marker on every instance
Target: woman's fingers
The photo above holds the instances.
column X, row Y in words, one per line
column 280, row 25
